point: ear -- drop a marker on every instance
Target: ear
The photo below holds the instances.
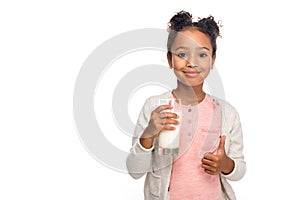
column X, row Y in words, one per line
column 169, row 57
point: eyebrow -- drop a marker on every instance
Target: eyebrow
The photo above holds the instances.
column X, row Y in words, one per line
column 186, row 48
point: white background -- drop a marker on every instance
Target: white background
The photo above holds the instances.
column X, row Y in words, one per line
column 44, row 44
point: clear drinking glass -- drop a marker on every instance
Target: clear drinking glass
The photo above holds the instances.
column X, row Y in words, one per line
column 168, row 140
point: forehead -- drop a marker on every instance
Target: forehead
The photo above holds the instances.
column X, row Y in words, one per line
column 191, row 38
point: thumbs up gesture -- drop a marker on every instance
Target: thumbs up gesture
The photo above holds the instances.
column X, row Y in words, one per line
column 215, row 163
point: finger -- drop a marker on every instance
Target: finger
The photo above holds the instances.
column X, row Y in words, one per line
column 210, row 165
column 210, row 156
column 222, row 143
column 171, row 121
column 163, row 107
column 170, row 128
column 211, row 172
column 167, row 121
column 208, row 162
column 210, row 169
column 163, row 115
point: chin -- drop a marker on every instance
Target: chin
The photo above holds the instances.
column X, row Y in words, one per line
column 189, row 84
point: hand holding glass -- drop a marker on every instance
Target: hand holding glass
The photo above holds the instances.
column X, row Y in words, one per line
column 168, row 140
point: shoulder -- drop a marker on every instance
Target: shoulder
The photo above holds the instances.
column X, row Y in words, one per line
column 230, row 116
column 227, row 109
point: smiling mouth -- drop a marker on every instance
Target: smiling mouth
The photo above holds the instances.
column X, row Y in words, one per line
column 191, row 74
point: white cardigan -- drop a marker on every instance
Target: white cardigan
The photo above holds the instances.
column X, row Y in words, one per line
column 158, row 168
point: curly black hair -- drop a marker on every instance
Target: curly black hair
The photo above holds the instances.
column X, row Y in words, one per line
column 183, row 20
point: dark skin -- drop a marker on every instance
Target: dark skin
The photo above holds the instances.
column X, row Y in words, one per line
column 191, row 59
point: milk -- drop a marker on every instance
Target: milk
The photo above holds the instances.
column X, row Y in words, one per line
column 169, row 139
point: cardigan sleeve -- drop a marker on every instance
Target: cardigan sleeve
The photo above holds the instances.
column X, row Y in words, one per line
column 139, row 159
column 234, row 146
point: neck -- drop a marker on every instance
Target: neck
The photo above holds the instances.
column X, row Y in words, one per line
column 189, row 95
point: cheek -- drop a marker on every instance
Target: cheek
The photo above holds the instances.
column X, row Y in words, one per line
column 179, row 62
column 207, row 64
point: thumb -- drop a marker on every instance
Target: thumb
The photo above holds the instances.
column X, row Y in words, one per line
column 222, row 143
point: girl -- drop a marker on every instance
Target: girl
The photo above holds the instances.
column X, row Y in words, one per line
column 191, row 55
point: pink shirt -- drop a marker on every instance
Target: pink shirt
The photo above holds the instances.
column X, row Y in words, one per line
column 199, row 133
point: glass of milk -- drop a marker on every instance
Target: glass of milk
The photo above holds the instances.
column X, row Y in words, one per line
column 168, row 140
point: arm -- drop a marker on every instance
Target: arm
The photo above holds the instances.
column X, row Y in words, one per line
column 234, row 146
column 149, row 125
column 139, row 159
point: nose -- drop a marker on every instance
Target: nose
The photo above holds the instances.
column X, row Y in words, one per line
column 192, row 60
column 191, row 63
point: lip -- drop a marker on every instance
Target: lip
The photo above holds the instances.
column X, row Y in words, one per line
column 191, row 73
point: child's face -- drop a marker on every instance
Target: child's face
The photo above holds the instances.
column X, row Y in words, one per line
column 191, row 57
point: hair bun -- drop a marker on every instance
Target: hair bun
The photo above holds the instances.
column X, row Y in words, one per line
column 209, row 26
column 180, row 20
